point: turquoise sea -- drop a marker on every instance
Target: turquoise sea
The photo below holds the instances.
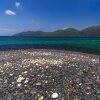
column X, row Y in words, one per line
column 83, row 44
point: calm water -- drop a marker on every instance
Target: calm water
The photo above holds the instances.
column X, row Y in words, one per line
column 83, row 44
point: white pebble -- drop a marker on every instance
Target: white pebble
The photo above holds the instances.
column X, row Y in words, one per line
column 47, row 67
column 11, row 74
column 80, row 84
column 20, row 79
column 37, row 64
column 19, row 85
column 93, row 59
column 26, row 81
column 38, row 83
column 25, row 72
column 42, row 98
column 55, row 95
column 46, row 81
column 25, row 85
column 60, row 66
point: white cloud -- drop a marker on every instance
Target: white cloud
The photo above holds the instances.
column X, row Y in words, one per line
column 65, row 28
column 17, row 4
column 10, row 12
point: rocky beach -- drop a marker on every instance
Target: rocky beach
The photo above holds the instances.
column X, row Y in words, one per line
column 41, row 74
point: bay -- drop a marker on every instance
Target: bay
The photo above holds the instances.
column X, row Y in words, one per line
column 81, row 44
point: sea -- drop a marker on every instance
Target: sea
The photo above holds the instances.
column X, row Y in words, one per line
column 80, row 44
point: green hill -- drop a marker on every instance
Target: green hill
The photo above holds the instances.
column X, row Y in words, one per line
column 91, row 31
column 66, row 32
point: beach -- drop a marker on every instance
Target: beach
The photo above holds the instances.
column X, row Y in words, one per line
column 44, row 74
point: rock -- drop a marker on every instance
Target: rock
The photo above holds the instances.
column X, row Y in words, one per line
column 46, row 81
column 5, row 81
column 98, row 97
column 20, row 79
column 47, row 67
column 26, row 81
column 55, row 95
column 60, row 66
column 76, row 98
column 11, row 74
column 93, row 59
column 80, row 84
column 19, row 85
column 38, row 84
column 42, row 97
column 25, row 72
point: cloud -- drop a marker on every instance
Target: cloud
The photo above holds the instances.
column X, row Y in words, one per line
column 17, row 4
column 10, row 12
column 64, row 28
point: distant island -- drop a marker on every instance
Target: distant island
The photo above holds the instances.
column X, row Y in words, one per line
column 90, row 31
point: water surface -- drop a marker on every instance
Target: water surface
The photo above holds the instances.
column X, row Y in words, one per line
column 83, row 44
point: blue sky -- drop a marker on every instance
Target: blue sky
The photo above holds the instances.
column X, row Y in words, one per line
column 47, row 15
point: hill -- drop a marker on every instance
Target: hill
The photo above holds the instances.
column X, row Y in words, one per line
column 90, row 31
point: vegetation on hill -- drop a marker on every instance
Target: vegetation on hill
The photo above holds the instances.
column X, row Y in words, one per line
column 91, row 31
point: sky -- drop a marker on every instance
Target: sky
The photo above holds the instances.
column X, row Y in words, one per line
column 47, row 15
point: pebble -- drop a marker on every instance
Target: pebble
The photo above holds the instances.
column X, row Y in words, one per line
column 47, row 67
column 38, row 84
column 46, row 81
column 25, row 72
column 20, row 79
column 25, row 85
column 80, row 84
column 55, row 95
column 93, row 59
column 19, row 85
column 42, row 97
column 98, row 96
column 11, row 74
column 26, row 81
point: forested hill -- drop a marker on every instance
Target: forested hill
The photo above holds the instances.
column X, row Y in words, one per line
column 90, row 31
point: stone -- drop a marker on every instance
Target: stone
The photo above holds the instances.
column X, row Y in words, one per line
column 11, row 74
column 98, row 96
column 19, row 85
column 47, row 67
column 80, row 84
column 55, row 95
column 46, row 81
column 26, row 81
column 42, row 97
column 25, row 72
column 38, row 84
column 20, row 79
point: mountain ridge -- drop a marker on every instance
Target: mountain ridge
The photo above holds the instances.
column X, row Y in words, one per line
column 90, row 31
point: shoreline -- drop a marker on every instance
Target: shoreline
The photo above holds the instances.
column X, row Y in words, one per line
column 94, row 55
column 50, row 49
column 44, row 74
column 50, row 46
